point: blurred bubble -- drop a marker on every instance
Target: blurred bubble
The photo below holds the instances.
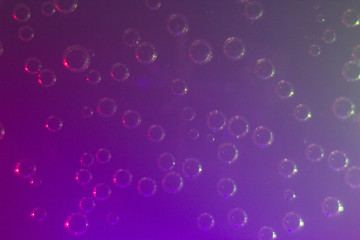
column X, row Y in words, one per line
column 355, row 53
column 83, row 176
column 200, row 52
column 131, row 119
column 343, row 108
column 314, row 50
column 289, row 195
column 191, row 167
column 338, row 160
column 226, row 187
column 331, row 207
column 103, row 155
column 351, row 71
column 238, row 126
column 253, row 10
column 131, row 37
column 320, row 18
column 48, row 8
column 122, row 178
column 153, row 5
column 166, row 161
column 26, row 33
column 156, row 133
column 53, row 124
column 35, row 181
column 350, row 18
column 284, row 89
column 287, row 168
column 119, row 72
column 33, row 65
column 93, row 77
column 66, row 6
column 147, row 187
column 329, row 36
column 76, row 58
column 172, row 182
column 2, row 131
column 39, row 214
column 316, row 6
column 46, row 78
column 87, row 112
column 107, row 107
column 228, row 153
column 302, row 113
column 21, row 12
column 237, row 218
column 112, row 218
column 210, row 138
column 188, row 114
column 87, row 204
column 264, row 69
column 314, row 152
column 266, row 233
column 205, row 221
column 177, row 25
column 234, row 48
column 292, row 222
column 87, row 159
column 25, row 168
column 146, row 53
column 179, row 87
column 194, row 134
column 262, row 137
column 101, row 191
column 352, row 177
column 216, row 120
column 77, row 224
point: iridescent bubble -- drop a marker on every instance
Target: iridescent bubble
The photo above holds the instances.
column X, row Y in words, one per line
column 107, row 107
column 237, row 218
column 179, row 87
column 266, row 233
column 314, row 50
column 53, row 124
column 103, row 155
column 228, row 153
column 292, row 222
column 21, row 12
column 287, row 168
column 262, row 137
column 331, row 206
column 87, row 159
column 172, row 182
column 194, row 133
column 234, row 48
column 253, row 10
column 87, row 112
column 76, row 58
column 131, row 37
column 314, row 152
column 33, row 65
column 102, row 192
column 112, row 218
column 205, row 221
column 200, row 52
column 320, row 18
column 48, row 8
column 119, row 72
column 188, row 114
column 146, row 53
column 153, row 5
column 352, row 177
column 156, row 133
column 66, row 6
column 302, row 113
column 93, row 77
column 166, row 161
column 25, row 168
column 284, row 89
column 177, row 25
column 39, row 214
column 46, row 78
column 191, row 167
column 77, row 224
column 355, row 53
column 328, row 36
column 343, row 108
column 83, row 176
column 216, row 120
column 26, row 33
column 131, row 119
column 338, row 160
column 264, row 69
column 226, row 187
column 238, row 126
column 147, row 187
column 350, row 18
column 87, row 204
column 289, row 195
column 2, row 131
column 122, row 178
column 351, row 71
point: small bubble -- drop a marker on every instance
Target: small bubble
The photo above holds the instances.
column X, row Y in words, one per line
column 21, row 13
column 147, row 187
column 237, row 218
column 131, row 37
column 156, row 133
column 292, row 222
column 131, row 119
column 331, row 207
column 83, row 176
column 226, row 187
column 338, row 161
column 352, row 177
column 39, row 214
column 329, row 36
column 153, row 5
column 119, row 72
column 302, row 113
column 146, row 53
column 77, row 224
column 205, row 221
column 200, row 52
column 238, row 126
column 287, row 168
column 228, row 153
column 253, row 10
column 25, row 168
column 166, row 161
column 177, row 25
column 284, row 89
column 350, row 18
column 266, row 233
column 87, row 159
column 53, row 124
column 87, row 204
column 263, row 137
column 46, row 78
column 188, row 114
column 216, row 120
column 112, row 218
column 103, row 155
column 289, row 195
column 48, row 8
column 191, row 168
column 26, row 33
column 234, row 48
column 314, row 152
column 343, row 108
column 33, row 65
column 179, row 87
column 172, row 182
column 87, row 112
column 102, row 192
column 314, row 50
column 107, row 107
column 320, row 18
column 351, row 71
column 76, row 58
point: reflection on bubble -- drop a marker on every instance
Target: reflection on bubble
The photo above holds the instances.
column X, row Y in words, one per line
column 46, row 78
column 238, row 126
column 153, row 5
column 234, row 48
column 200, row 52
column 93, row 77
column 302, row 113
column 26, row 33
column 119, row 72
column 33, row 65
column 103, row 155
column 287, row 168
column 191, row 167
column 179, row 87
column 122, row 178
column 83, row 176
column 289, row 195
column 77, row 224
column 253, row 10
column 205, row 221
column 166, row 161
column 226, row 187
column 107, row 107
column 177, row 25
column 216, row 120
column 314, row 50
column 284, row 89
column 314, row 152
column 35, row 181
column 2, row 131
column 21, row 13
column 352, row 177
column 262, row 137
column 87, row 204
column 188, row 114
column 48, row 8
column 172, row 182
column 351, row 71
column 146, row 53
column 331, row 207
column 264, row 69
column 328, row 36
column 343, row 108
column 350, row 18
column 87, row 112
column 53, row 124
column 320, row 18
column 194, row 133
column 228, row 153
column 101, row 192
column 131, row 119
column 131, row 37
column 146, row 187
column 87, row 159
column 237, row 218
column 76, row 58
column 25, row 168
column 66, row 6
column 292, row 222
column 266, row 233
column 112, row 218
column 355, row 53
column 338, row 160
column 39, row 214
column 156, row 133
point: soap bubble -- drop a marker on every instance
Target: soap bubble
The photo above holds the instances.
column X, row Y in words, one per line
column 343, row 108
column 320, row 18
column 26, row 33
column 351, row 71
column 228, row 153
column 314, row 152
column 83, row 176
column 188, row 114
column 205, row 221
column 287, row 168
column 87, row 204
column 48, row 8
column 264, row 69
column 119, row 72
column 87, row 159
column 147, row 187
column 87, row 112
column 21, row 13
column 66, row 6
column 35, row 181
column 172, row 182
column 338, row 160
column 237, row 218
column 289, row 195
column 146, row 53
column 191, row 167
column 302, row 113
column 350, row 18
column 234, row 48
column 263, row 136
column 238, row 126
column 328, row 36
column 179, row 87
column 93, row 77
column 266, row 233
column 102, row 192
column 39, row 214
column 153, row 5
column 194, row 133
column 166, row 161
column 77, row 224
column 284, row 89
column 131, row 119
column 177, row 25
column 122, row 178
column 131, row 37
column 33, row 65
column 46, row 78
column 112, row 218
column 200, row 52
column 216, row 120
column 355, row 53
column 226, row 187
column 292, row 222
column 103, row 155
column 156, row 133
column 76, row 58
column 25, row 168
column 253, row 10
column 352, row 177
column 107, row 107
column 314, row 50
column 331, row 206
column 53, row 124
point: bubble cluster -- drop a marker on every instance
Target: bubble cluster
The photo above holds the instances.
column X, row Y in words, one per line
column 338, row 160
column 226, row 187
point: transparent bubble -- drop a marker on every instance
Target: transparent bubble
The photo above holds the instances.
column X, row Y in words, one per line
column 83, row 176
column 314, row 50
column 131, row 119
column 66, row 6
column 156, row 133
column 146, row 53
column 102, row 192
column 107, row 107
column 343, row 108
column 35, row 181
column 179, row 87
column 253, row 11
column 25, row 168
column 262, row 137
column 284, row 89
column 328, row 36
column 355, row 53
column 205, row 221
column 287, row 168
column 314, row 152
column 26, row 33
column 2, row 131
column 292, row 222
column 153, row 5
column 331, row 207
column 131, row 37
column 194, row 134
column 237, row 218
column 87, row 112
column 234, row 48
column 238, row 126
column 87, row 159
column 351, row 71
column 210, row 138
column 147, row 187
column 191, row 167
column 216, row 120
column 172, row 182
column 77, row 224
column 228, row 153
column 103, row 155
column 48, row 8
column 76, row 58
column 39, row 214
column 112, row 218
column 46, row 78
column 264, row 69
column 200, row 52
column 302, row 113
column 53, row 124
column 266, row 233
column 21, row 13
column 338, row 160
column 33, row 65
column 177, row 25
column 320, row 18
column 119, row 72
column 350, row 18
column 226, row 187
column 122, row 178
column 352, row 177
column 188, row 114
column 289, row 195
column 166, row 161
column 87, row 204
column 93, row 77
